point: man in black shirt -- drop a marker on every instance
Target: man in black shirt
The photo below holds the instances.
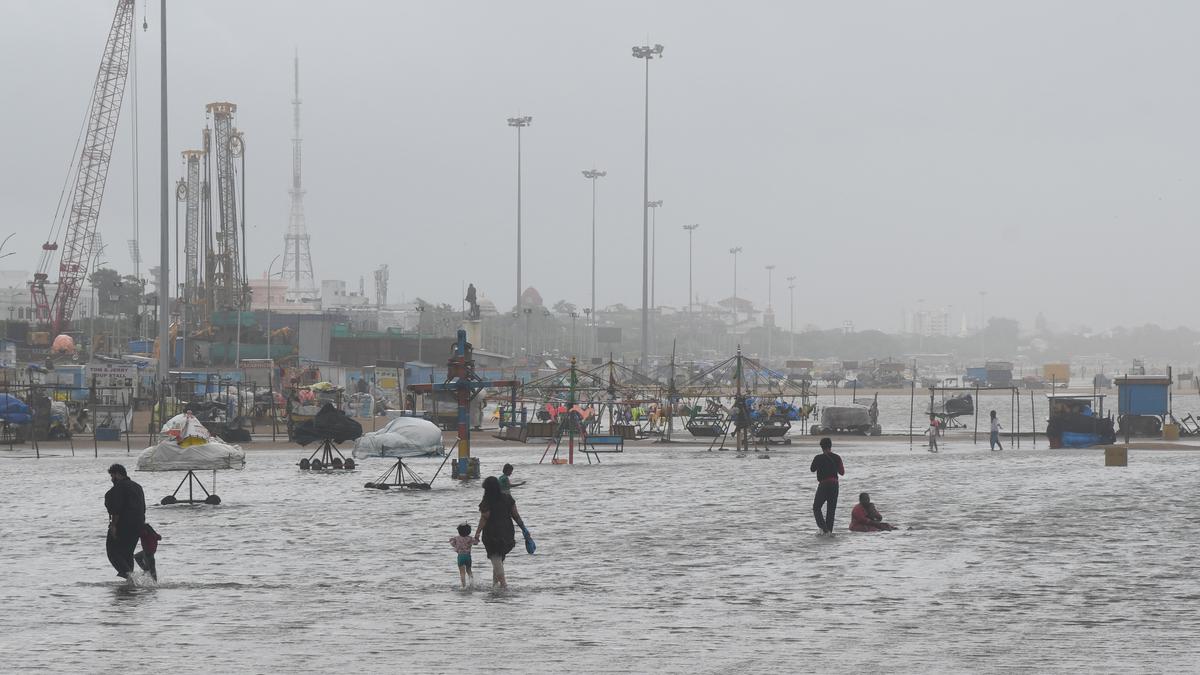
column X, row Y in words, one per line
column 827, row 466
column 126, row 505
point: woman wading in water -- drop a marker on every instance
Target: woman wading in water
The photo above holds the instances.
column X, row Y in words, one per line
column 497, row 512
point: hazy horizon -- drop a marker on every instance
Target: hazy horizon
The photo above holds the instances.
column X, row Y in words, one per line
column 913, row 152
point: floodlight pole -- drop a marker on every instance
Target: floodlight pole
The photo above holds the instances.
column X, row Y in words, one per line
column 519, row 123
column 792, row 316
column 648, row 53
column 593, row 175
column 164, row 230
column 735, row 251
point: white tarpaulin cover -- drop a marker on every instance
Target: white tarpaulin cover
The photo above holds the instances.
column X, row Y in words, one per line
column 170, row 456
column 402, row 437
column 184, row 426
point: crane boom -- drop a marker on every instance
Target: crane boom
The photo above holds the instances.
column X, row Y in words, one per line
column 91, row 175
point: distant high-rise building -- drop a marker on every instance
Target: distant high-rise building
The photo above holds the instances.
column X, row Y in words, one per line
column 931, row 322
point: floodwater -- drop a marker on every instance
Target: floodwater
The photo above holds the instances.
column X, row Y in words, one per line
column 667, row 559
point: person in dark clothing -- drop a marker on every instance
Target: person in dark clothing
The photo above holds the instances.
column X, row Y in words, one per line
column 126, row 505
column 497, row 512
column 827, row 466
column 145, row 557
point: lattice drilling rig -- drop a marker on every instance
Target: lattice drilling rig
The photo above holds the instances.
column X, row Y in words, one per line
column 225, row 278
column 194, row 193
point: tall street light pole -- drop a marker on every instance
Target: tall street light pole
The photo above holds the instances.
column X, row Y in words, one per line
column 589, row 315
column 648, row 53
column 983, row 325
column 653, row 264
column 164, row 229
column 574, row 315
column 690, row 230
column 735, row 251
column 519, row 123
column 770, row 310
column 791, row 316
column 528, row 346
column 770, row 271
column 269, row 274
column 420, row 320
column 593, row 175
column 654, row 250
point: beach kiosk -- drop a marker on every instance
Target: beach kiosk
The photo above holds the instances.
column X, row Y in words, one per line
column 1143, row 404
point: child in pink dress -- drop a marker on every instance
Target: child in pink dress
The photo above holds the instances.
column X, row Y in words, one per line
column 462, row 545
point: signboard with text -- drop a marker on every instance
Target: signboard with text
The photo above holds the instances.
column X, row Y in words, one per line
column 120, row 375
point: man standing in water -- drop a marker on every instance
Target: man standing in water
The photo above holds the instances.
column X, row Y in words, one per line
column 827, row 466
column 126, row 504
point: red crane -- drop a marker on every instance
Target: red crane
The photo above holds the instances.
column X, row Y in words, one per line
column 87, row 191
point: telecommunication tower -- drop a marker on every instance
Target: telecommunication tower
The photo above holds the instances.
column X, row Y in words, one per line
column 297, row 259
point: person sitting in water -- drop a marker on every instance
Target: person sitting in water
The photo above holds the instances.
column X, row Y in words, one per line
column 864, row 517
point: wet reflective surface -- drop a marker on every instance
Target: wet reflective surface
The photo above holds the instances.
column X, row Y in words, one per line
column 661, row 558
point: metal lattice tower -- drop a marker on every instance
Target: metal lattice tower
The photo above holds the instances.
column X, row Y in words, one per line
column 227, row 278
column 297, row 258
column 92, row 173
column 208, row 258
column 191, row 229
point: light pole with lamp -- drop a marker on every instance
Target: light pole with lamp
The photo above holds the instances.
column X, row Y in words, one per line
column 983, row 326
column 648, row 53
column 164, row 231
column 594, row 175
column 512, row 334
column 654, row 206
column 770, row 310
column 734, row 252
column 528, row 311
column 589, row 315
column 519, row 123
column 269, row 268
column 791, row 316
column 574, row 315
column 420, row 319
column 96, row 263
column 690, row 230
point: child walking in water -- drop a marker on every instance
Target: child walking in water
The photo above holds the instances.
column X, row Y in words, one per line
column 994, row 436
column 145, row 557
column 933, row 434
column 462, row 544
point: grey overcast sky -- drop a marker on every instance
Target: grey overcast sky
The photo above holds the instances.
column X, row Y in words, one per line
column 884, row 152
